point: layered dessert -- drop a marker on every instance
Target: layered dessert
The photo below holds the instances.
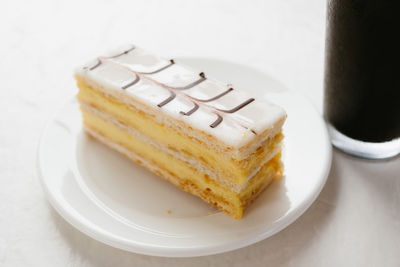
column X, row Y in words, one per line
column 202, row 135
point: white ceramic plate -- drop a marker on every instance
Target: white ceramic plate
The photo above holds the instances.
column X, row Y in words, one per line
column 111, row 199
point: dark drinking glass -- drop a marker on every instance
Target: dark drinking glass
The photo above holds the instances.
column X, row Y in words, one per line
column 362, row 76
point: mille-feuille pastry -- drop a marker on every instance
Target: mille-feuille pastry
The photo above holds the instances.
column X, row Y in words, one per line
column 200, row 134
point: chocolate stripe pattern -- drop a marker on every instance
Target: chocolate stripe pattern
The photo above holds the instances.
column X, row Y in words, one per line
column 169, row 99
column 213, row 98
column 99, row 60
column 217, row 121
column 174, row 90
column 123, row 53
column 193, row 84
column 190, row 112
column 171, row 62
column 96, row 65
column 136, row 80
column 238, row 107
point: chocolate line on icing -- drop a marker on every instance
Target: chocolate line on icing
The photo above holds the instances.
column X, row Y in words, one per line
column 172, row 62
column 217, row 121
column 238, row 107
column 233, row 110
column 193, row 84
column 99, row 61
column 190, row 112
column 173, row 94
column 213, row 98
column 254, row 132
column 169, row 99
column 136, row 80
column 123, row 53
column 95, row 66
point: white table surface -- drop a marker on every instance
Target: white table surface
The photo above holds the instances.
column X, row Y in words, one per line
column 354, row 222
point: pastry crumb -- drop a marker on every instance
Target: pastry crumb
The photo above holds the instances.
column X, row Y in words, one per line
column 169, row 211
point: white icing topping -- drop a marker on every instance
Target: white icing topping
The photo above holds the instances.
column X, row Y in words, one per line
column 174, row 88
column 175, row 76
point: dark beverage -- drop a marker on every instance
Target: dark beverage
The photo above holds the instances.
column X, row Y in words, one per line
column 362, row 72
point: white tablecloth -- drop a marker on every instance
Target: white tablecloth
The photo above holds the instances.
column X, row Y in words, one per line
column 354, row 222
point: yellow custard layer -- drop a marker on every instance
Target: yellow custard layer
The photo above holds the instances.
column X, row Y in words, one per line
column 181, row 173
column 234, row 171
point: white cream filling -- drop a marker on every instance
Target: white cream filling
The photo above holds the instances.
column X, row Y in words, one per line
column 192, row 161
column 124, row 151
column 162, row 119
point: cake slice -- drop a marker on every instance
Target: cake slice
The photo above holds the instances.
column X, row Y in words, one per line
column 201, row 135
